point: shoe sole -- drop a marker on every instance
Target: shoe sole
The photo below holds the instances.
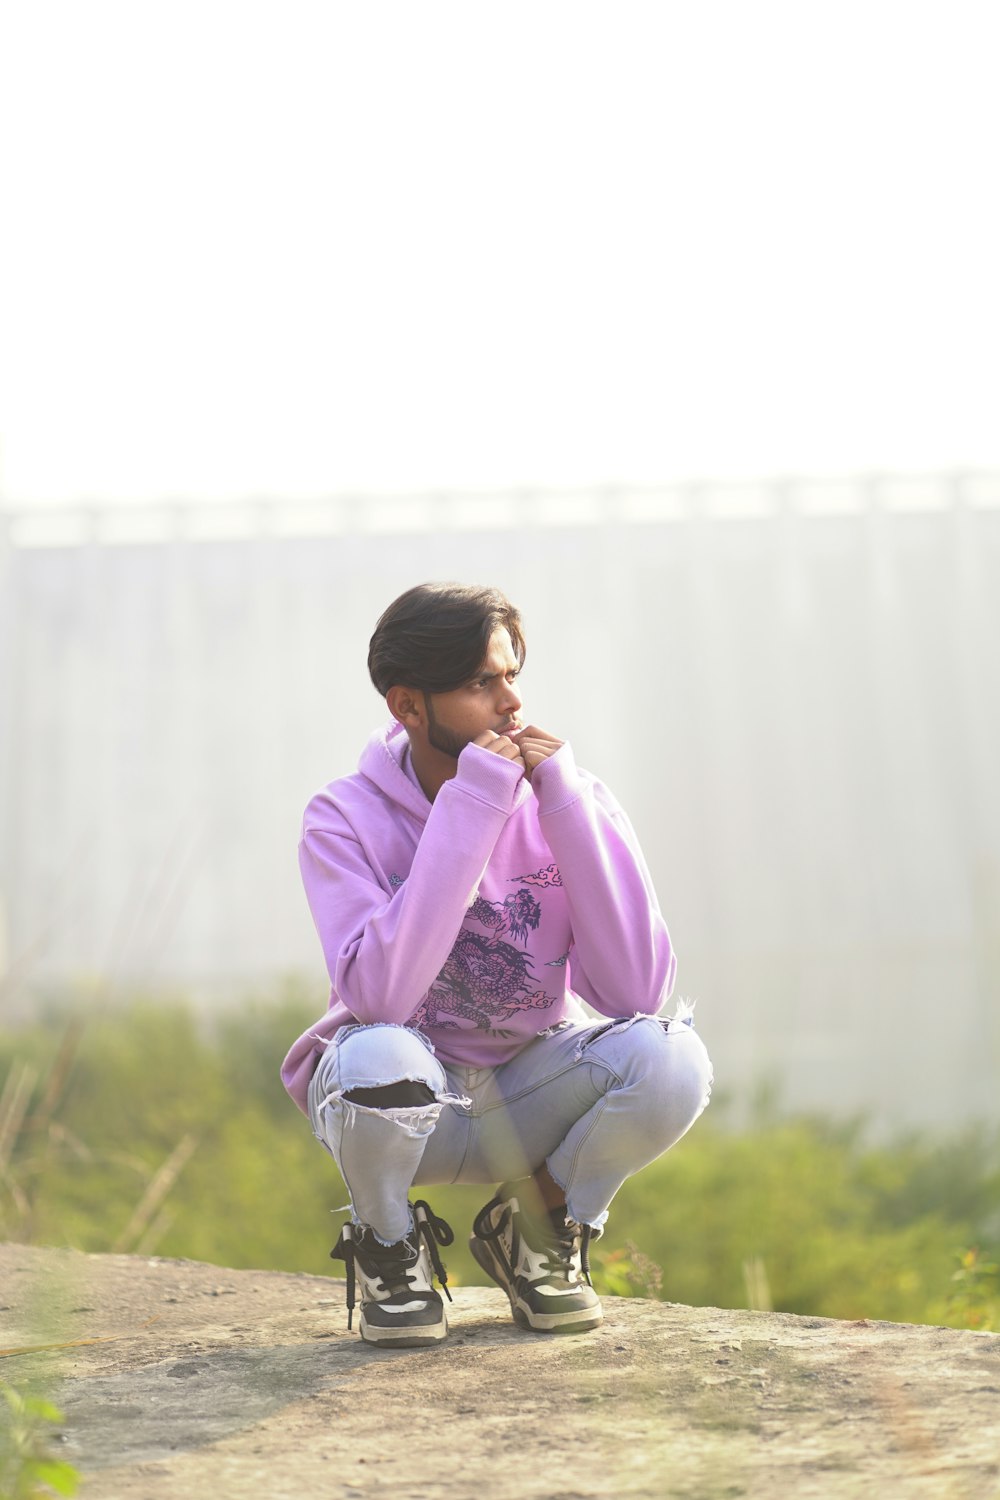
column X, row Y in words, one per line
column 411, row 1338
column 524, row 1316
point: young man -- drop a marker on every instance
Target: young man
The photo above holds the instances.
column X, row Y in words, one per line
column 470, row 886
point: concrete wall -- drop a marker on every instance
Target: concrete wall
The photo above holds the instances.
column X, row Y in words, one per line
column 800, row 711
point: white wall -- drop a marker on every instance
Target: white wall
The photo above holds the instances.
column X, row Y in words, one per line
column 801, row 714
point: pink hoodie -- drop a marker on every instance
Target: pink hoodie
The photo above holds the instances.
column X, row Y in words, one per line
column 481, row 918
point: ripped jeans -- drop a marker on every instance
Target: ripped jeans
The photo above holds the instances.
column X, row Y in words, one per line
column 593, row 1102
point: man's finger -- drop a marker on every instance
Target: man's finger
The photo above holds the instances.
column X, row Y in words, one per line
column 501, row 745
column 540, row 749
column 532, row 732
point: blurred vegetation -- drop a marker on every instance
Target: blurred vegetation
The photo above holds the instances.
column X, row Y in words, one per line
column 149, row 1130
column 29, row 1467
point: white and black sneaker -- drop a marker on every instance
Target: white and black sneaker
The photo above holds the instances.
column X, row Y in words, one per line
column 541, row 1264
column 400, row 1308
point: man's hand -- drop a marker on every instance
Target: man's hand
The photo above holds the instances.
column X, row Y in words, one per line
column 535, row 746
column 500, row 744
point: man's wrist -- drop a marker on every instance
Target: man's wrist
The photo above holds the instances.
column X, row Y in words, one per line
column 490, row 777
column 556, row 781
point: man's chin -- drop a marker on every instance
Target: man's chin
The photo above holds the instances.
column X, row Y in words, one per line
column 447, row 746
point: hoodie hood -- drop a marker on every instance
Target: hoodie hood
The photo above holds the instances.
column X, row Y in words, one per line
column 382, row 761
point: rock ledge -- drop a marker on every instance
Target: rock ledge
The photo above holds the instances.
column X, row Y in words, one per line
column 248, row 1383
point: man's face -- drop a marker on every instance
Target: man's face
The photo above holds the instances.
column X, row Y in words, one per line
column 489, row 701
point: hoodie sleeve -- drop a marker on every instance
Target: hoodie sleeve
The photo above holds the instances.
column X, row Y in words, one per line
column 621, row 961
column 383, row 952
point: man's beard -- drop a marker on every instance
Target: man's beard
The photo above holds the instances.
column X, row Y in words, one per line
column 441, row 738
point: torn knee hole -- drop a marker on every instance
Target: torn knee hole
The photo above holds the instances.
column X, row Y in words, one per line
column 408, row 1094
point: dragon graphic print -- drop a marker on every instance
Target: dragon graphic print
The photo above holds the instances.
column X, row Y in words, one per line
column 487, row 978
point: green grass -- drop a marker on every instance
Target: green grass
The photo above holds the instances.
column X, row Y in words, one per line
column 142, row 1130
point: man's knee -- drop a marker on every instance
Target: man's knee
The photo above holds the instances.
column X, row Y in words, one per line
column 664, row 1061
column 388, row 1059
column 406, row 1095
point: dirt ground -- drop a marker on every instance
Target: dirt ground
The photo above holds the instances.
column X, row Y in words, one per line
column 226, row 1384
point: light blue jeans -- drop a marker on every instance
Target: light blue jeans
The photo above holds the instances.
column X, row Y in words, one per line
column 593, row 1102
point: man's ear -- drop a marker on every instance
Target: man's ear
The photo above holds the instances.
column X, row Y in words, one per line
column 406, row 705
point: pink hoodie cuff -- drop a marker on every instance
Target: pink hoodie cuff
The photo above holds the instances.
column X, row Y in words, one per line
column 556, row 782
column 489, row 777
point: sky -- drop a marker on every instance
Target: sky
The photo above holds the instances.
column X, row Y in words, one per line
column 294, row 249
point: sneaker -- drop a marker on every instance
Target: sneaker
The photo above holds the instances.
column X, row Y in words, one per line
column 541, row 1264
column 400, row 1308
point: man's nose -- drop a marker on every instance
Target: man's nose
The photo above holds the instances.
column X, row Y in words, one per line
column 511, row 700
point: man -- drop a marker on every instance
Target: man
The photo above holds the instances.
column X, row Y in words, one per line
column 470, row 886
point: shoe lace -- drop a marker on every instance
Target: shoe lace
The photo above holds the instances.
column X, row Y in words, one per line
column 434, row 1231
column 396, row 1273
column 554, row 1239
column 558, row 1245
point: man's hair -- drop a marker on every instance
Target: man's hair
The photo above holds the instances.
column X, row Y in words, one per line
column 435, row 636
